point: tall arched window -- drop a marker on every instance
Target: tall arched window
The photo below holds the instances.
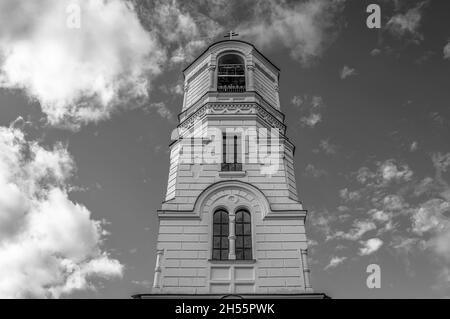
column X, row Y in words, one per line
column 243, row 229
column 231, row 73
column 220, row 235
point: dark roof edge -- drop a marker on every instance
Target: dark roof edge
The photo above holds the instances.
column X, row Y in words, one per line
column 209, row 47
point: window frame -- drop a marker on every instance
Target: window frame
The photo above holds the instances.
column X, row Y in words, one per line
column 247, row 251
column 223, row 252
column 235, row 150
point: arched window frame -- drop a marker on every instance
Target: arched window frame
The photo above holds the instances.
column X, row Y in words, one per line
column 234, row 246
column 220, row 235
column 243, row 232
column 242, row 57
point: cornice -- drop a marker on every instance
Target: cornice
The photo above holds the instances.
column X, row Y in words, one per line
column 231, row 108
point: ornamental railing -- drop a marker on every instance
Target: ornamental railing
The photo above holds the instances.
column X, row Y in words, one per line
column 231, row 167
column 230, row 88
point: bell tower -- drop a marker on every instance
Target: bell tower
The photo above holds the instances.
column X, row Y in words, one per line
column 231, row 222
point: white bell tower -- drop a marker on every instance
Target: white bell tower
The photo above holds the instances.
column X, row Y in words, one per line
column 231, row 222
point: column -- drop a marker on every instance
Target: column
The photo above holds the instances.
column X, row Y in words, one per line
column 156, row 278
column 212, row 73
column 232, row 237
column 277, row 94
column 186, row 88
column 306, row 270
column 250, row 77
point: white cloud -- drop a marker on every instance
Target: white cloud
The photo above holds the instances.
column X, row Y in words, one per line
column 297, row 101
column 370, row 246
column 364, row 175
column 407, row 23
column 77, row 75
column 49, row 245
column 414, row 146
column 322, row 221
column 335, row 261
column 410, row 215
column 310, row 109
column 186, row 53
column 441, row 161
column 176, row 23
column 394, row 202
column 312, row 119
column 447, row 51
column 380, row 215
column 430, row 216
column 347, row 71
column 390, row 171
column 375, row 52
column 162, row 110
column 306, row 28
column 386, row 173
column 181, row 26
column 327, row 147
column 359, row 228
column 177, row 89
column 431, row 221
column 347, row 195
column 314, row 172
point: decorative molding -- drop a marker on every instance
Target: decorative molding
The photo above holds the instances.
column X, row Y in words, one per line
column 247, row 194
column 212, row 94
column 241, row 198
column 231, row 109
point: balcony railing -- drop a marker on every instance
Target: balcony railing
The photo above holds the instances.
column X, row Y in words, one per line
column 231, row 167
column 230, row 88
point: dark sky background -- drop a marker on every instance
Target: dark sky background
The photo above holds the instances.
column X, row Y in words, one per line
column 372, row 144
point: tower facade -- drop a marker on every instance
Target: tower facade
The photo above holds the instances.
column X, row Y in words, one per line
column 231, row 222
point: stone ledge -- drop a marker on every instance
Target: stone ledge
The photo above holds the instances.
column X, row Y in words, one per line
column 233, row 174
column 232, row 261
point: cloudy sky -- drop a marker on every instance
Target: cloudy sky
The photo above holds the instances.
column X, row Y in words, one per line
column 86, row 114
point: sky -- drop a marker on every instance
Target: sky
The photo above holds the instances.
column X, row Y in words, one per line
column 90, row 92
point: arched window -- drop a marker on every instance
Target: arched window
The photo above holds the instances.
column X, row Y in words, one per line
column 231, row 74
column 220, row 235
column 243, row 229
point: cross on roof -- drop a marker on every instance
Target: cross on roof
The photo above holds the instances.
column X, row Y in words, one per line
column 231, row 34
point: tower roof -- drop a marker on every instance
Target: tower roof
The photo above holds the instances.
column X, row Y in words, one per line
column 233, row 40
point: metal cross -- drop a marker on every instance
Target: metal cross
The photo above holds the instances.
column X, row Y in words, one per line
column 231, row 34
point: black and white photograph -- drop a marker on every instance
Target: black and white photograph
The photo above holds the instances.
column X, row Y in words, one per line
column 189, row 152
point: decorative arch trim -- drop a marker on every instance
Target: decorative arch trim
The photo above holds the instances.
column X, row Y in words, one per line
column 233, row 190
column 253, row 197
